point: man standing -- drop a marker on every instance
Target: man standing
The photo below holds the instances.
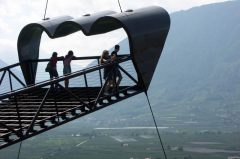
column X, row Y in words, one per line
column 117, row 76
column 116, row 49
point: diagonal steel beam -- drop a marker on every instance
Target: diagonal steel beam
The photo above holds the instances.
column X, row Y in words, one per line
column 18, row 114
column 38, row 111
column 131, row 77
column 10, row 80
column 2, row 77
column 101, row 90
column 12, row 130
column 76, row 97
column 16, row 78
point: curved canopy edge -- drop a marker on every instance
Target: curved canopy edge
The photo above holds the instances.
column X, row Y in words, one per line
column 146, row 28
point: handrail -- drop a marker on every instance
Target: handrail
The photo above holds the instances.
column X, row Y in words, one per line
column 10, row 66
column 77, row 58
column 45, row 60
column 59, row 79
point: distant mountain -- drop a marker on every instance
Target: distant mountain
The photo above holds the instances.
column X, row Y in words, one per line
column 2, row 64
column 5, row 85
column 199, row 71
column 201, row 60
column 198, row 76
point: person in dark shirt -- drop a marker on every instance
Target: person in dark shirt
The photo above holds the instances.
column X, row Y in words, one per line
column 116, row 49
column 117, row 76
column 53, row 65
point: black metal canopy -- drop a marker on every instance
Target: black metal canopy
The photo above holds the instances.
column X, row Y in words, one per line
column 146, row 28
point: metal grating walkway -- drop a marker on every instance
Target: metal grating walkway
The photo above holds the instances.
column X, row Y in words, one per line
column 30, row 120
column 30, row 110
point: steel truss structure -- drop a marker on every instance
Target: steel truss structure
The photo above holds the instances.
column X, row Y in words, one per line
column 32, row 110
column 35, row 107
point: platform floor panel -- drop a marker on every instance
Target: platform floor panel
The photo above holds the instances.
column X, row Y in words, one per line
column 23, row 114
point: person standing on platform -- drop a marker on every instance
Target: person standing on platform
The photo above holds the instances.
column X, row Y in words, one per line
column 52, row 66
column 67, row 66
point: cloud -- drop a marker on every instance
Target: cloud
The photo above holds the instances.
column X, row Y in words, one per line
column 4, row 28
column 8, row 51
column 169, row 5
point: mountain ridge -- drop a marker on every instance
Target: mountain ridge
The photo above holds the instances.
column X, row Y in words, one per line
column 198, row 75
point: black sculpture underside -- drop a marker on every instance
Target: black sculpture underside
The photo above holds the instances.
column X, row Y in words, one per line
column 146, row 28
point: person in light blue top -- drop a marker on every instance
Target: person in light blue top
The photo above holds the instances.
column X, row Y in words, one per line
column 67, row 66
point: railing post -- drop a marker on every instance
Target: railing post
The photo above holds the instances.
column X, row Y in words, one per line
column 86, row 84
column 10, row 80
column 100, row 74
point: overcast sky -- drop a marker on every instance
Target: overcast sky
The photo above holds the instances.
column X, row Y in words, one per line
column 15, row 14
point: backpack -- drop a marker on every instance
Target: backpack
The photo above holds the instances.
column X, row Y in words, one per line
column 48, row 68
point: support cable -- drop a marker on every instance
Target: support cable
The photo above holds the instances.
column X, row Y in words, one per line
column 19, row 150
column 120, row 6
column 44, row 17
column 159, row 136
